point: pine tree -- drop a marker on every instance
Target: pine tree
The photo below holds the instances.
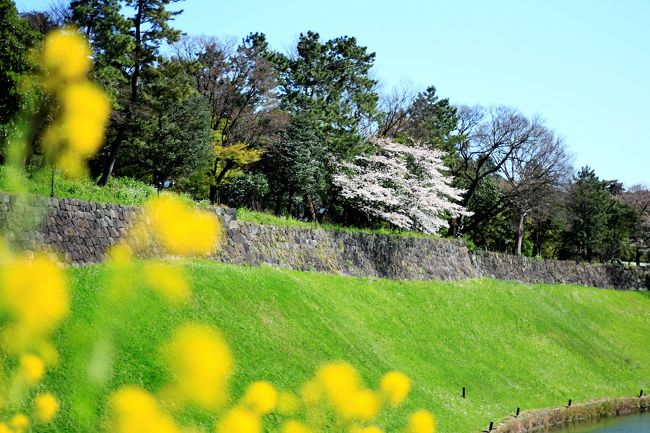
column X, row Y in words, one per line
column 588, row 205
column 150, row 28
column 102, row 22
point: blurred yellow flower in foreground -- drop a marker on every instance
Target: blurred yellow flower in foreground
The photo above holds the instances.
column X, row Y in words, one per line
column 239, row 420
column 66, row 55
column 395, row 387
column 34, row 294
column 19, row 423
column 261, row 397
column 84, row 107
column 341, row 385
column 293, row 426
column 200, row 364
column 365, row 405
column 169, row 280
column 134, row 410
column 181, row 229
column 4, row 428
column 421, row 421
column 46, row 406
column 86, row 110
column 31, row 368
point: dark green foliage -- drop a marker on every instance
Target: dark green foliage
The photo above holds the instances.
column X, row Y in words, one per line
column 102, row 22
column 330, row 82
column 425, row 118
column 621, row 222
column 149, row 29
column 174, row 136
column 16, row 40
column 295, row 168
column 589, row 203
column 490, row 226
column 247, row 191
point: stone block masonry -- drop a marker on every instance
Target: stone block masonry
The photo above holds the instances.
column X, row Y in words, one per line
column 83, row 231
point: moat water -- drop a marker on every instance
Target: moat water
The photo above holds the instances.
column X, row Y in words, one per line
column 636, row 423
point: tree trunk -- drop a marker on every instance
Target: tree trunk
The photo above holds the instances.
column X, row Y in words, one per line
column 117, row 143
column 520, row 232
column 278, row 203
column 311, row 209
column 215, row 190
column 213, row 194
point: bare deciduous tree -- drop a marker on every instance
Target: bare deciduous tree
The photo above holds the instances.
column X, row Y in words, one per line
column 239, row 84
column 534, row 171
column 395, row 108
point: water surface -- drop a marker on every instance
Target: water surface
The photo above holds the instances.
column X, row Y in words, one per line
column 636, row 423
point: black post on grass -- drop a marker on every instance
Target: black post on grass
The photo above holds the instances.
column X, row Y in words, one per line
column 517, row 414
column 463, row 393
column 52, row 183
column 491, row 425
column 569, row 405
column 641, row 394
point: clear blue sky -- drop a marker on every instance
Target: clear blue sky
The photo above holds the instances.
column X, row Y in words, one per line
column 583, row 65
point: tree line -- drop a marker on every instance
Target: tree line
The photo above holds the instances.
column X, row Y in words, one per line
column 309, row 134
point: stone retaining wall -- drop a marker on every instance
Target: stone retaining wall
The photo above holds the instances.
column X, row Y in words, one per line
column 83, row 231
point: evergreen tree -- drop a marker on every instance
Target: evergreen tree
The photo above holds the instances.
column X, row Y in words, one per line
column 150, row 28
column 330, row 81
column 294, row 166
column 102, row 22
column 172, row 136
column 588, row 205
column 16, row 37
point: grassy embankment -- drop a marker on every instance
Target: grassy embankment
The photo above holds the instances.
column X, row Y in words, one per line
column 510, row 344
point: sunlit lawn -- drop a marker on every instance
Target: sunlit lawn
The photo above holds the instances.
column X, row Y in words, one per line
column 511, row 345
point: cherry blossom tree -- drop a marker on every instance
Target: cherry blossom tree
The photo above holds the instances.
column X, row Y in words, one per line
column 404, row 185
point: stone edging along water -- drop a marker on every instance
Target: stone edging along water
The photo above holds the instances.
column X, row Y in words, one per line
column 83, row 231
column 542, row 419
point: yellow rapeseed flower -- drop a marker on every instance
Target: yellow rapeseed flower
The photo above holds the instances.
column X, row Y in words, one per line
column 293, row 426
column 120, row 254
column 34, row 293
column 134, row 410
column 288, row 403
column 395, row 387
column 239, row 420
column 19, row 423
column 340, row 383
column 31, row 368
column 365, row 405
column 169, row 280
column 4, row 428
column 85, row 114
column 181, row 229
column 71, row 164
column 421, row 421
column 200, row 364
column 46, row 406
column 66, row 55
column 261, row 397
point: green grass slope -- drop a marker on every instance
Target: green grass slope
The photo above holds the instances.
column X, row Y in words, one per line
column 510, row 344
